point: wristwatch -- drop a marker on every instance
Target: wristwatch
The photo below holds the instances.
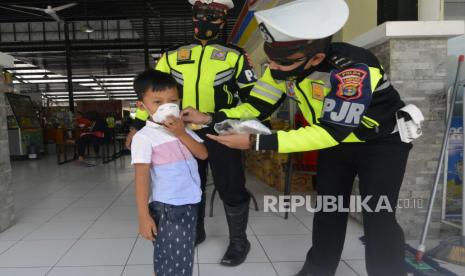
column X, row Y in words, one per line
column 210, row 116
column 254, row 141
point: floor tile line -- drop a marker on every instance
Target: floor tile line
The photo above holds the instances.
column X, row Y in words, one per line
column 109, row 188
column 79, row 238
column 278, row 235
column 288, row 261
column 24, row 267
column 235, row 266
column 198, row 263
column 46, row 221
column 353, row 259
column 245, row 262
column 301, row 222
column 129, row 256
column 88, row 266
column 62, row 187
column 347, row 264
column 82, row 239
column 263, row 248
column 71, row 203
column 103, row 212
column 44, row 197
column 14, row 244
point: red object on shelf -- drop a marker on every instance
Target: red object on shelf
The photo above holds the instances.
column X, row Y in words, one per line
column 305, row 159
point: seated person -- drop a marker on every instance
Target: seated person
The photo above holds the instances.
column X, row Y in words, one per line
column 95, row 136
column 80, row 121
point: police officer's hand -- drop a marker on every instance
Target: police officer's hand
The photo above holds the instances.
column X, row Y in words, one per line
column 128, row 141
column 175, row 125
column 235, row 141
column 192, row 115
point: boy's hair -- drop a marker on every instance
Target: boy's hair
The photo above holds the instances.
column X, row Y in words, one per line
column 153, row 80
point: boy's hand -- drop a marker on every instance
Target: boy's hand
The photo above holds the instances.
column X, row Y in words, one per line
column 147, row 228
column 175, row 126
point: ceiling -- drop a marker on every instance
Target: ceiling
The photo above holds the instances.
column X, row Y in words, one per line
column 101, row 59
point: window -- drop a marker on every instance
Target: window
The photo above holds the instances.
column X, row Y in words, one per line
column 397, row 10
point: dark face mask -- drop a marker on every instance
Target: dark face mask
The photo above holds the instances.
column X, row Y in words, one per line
column 206, row 30
column 297, row 73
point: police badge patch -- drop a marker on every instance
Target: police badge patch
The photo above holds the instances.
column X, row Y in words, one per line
column 318, row 91
column 218, row 55
column 290, row 91
column 351, row 83
column 184, row 54
column 350, row 96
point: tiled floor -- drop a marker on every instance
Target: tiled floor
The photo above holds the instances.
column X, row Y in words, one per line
column 73, row 220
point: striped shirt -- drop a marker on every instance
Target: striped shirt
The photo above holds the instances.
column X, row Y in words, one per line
column 174, row 173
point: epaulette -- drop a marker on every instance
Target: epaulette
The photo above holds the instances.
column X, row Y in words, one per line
column 340, row 62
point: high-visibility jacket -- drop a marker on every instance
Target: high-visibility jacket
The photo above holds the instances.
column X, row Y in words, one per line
column 140, row 118
column 213, row 77
column 348, row 98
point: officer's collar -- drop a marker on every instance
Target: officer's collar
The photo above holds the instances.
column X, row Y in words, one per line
column 209, row 42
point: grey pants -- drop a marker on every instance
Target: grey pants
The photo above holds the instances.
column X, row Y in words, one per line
column 174, row 244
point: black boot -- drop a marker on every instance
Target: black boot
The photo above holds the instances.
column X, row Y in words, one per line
column 200, row 229
column 237, row 217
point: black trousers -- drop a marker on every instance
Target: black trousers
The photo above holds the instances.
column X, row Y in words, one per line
column 88, row 139
column 380, row 167
column 227, row 171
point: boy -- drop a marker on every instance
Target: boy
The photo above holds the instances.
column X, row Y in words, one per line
column 163, row 154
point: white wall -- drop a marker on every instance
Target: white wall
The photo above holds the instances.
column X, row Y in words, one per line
column 362, row 18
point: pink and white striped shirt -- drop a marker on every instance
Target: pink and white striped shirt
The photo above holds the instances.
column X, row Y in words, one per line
column 174, row 173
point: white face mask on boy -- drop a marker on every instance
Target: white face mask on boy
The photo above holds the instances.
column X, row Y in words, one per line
column 164, row 111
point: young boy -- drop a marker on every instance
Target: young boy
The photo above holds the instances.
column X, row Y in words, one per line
column 163, row 155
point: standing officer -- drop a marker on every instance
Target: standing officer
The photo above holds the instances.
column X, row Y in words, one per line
column 214, row 76
column 345, row 95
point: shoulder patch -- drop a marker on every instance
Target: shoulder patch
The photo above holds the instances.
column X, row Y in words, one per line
column 318, row 91
column 290, row 88
column 184, row 54
column 219, row 55
column 350, row 96
column 226, row 48
column 350, row 83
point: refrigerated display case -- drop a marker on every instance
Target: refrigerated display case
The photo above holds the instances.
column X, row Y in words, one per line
column 24, row 128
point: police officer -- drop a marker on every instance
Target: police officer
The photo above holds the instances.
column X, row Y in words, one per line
column 346, row 97
column 214, row 76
